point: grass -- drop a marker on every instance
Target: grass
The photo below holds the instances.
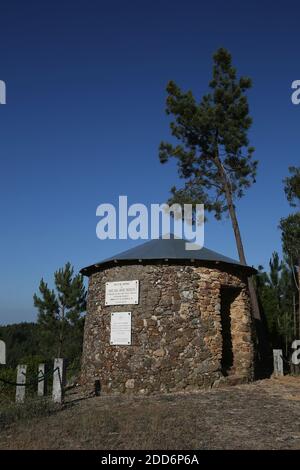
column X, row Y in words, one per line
column 32, row 408
column 262, row 415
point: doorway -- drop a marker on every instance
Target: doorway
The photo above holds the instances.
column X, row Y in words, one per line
column 228, row 296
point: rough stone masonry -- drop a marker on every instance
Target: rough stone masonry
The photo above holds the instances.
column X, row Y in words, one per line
column 191, row 329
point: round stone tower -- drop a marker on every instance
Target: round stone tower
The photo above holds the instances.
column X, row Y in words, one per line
column 162, row 319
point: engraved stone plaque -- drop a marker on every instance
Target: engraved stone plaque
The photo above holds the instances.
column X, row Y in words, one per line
column 122, row 293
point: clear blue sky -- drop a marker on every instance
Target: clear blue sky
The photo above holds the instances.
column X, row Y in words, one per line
column 85, row 115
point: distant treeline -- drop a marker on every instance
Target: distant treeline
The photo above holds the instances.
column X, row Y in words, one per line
column 28, row 341
column 58, row 331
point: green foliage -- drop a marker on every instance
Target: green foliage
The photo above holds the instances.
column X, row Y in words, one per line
column 214, row 155
column 8, row 373
column 25, row 343
column 279, row 289
column 7, row 392
column 22, row 339
column 277, row 293
column 58, row 331
column 292, row 186
column 290, row 227
column 59, row 317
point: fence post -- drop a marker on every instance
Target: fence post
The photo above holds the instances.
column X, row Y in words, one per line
column 59, row 379
column 21, row 379
column 2, row 352
column 278, row 362
column 42, row 381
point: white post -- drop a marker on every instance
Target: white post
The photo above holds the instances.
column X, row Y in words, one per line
column 59, row 378
column 21, row 379
column 2, row 352
column 278, row 362
column 41, row 382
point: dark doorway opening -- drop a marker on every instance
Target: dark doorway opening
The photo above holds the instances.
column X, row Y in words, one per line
column 228, row 295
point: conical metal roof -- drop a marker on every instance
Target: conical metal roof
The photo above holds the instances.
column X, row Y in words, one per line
column 164, row 249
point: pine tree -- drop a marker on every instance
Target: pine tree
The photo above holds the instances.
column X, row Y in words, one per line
column 60, row 309
column 290, row 226
column 292, row 186
column 214, row 156
column 276, row 293
column 269, row 296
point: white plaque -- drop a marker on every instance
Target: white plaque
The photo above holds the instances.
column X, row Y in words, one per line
column 120, row 328
column 122, row 293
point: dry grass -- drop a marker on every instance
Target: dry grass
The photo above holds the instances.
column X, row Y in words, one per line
column 263, row 415
column 11, row 412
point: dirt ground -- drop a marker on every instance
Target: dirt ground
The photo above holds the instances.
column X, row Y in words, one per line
column 261, row 415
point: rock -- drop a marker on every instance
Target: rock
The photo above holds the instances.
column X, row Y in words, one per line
column 187, row 294
column 159, row 353
column 129, row 383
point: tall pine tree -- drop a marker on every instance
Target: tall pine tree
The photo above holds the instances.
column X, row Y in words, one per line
column 290, row 226
column 214, row 156
column 276, row 293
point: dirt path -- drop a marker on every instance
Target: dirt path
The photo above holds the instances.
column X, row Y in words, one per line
column 262, row 415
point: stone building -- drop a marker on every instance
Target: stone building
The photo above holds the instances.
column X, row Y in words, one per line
column 188, row 326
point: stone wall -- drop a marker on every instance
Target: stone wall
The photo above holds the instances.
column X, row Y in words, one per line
column 176, row 330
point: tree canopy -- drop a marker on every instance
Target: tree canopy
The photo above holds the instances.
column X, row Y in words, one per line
column 60, row 309
column 214, row 153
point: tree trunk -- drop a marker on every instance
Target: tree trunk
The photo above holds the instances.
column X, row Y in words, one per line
column 238, row 238
column 286, row 335
column 295, row 317
column 240, row 248
column 61, row 332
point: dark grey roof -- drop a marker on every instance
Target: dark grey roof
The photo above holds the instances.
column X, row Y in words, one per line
column 164, row 249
